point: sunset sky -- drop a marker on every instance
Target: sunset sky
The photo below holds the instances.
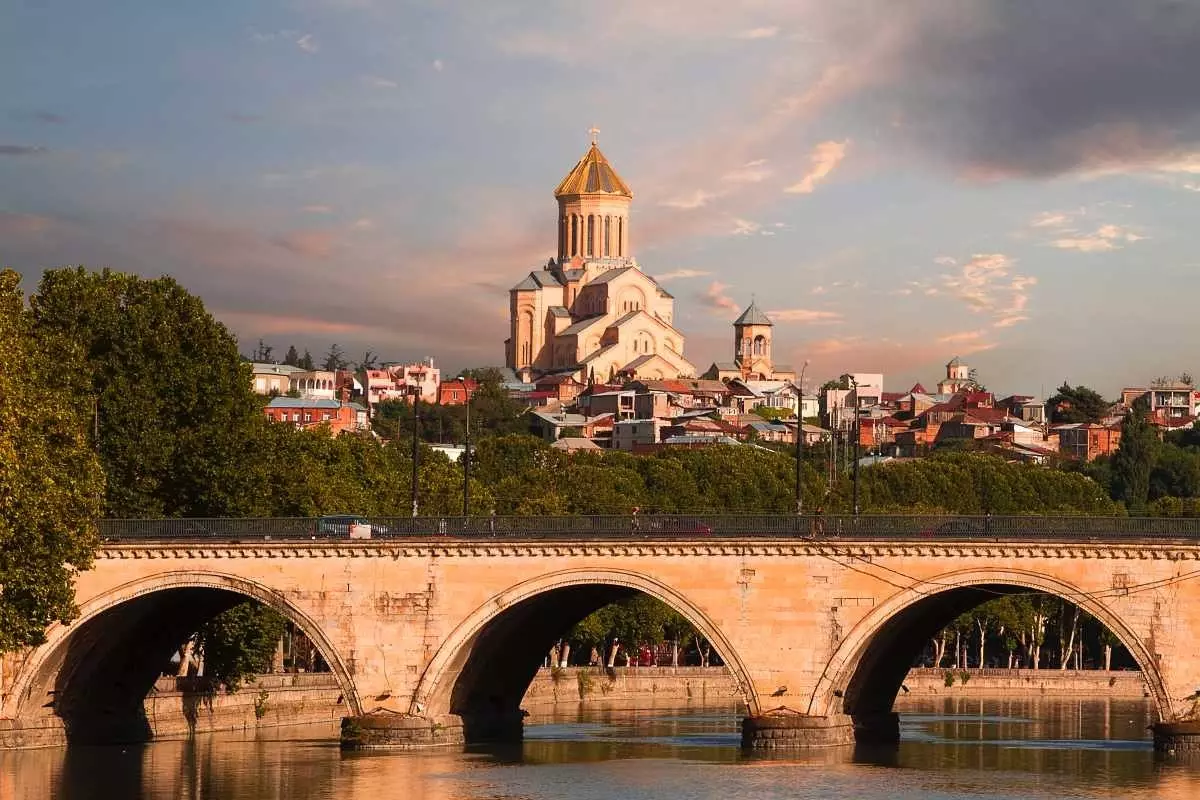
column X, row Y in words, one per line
column 896, row 182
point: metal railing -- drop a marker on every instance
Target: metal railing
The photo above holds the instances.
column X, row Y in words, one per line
column 867, row 527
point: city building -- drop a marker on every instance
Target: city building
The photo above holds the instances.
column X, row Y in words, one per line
column 271, row 378
column 305, row 412
column 318, row 384
column 752, row 358
column 1165, row 399
column 397, row 381
column 592, row 313
column 958, row 377
column 457, row 392
column 1086, row 441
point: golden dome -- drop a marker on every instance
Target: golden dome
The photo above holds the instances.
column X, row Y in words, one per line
column 593, row 175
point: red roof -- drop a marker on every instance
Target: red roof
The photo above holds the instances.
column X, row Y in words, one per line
column 918, row 389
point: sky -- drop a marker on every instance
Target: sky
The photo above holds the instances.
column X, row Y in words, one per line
column 897, row 183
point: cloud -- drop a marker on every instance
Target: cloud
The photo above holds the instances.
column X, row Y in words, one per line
column 716, row 300
column 985, row 283
column 438, row 65
column 49, row 118
column 1050, row 219
column 317, row 209
column 314, row 244
column 308, row 44
column 377, row 82
column 823, row 159
column 1104, row 239
column 1008, row 322
column 20, row 225
column 697, row 199
column 825, row 347
column 244, row 119
column 818, row 290
column 758, row 33
column 22, row 150
column 745, row 227
column 964, row 336
column 805, row 315
column 750, row 172
column 680, row 274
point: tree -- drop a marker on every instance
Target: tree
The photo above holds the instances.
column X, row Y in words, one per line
column 175, row 412
column 50, row 479
column 292, row 358
column 1076, row 404
column 368, row 361
column 306, row 361
column 771, row 414
column 240, row 642
column 335, row 359
column 262, row 353
column 1134, row 458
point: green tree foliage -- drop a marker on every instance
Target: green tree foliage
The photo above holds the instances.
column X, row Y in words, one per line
column 175, row 411
column 306, row 361
column 240, row 642
column 771, row 414
column 1134, row 459
column 292, row 357
column 50, row 478
column 1076, row 404
column 632, row 622
column 335, row 359
column 972, row 483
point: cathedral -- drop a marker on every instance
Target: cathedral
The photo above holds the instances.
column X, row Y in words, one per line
column 592, row 313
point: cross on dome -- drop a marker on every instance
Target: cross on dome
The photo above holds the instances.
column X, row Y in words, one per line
column 595, row 132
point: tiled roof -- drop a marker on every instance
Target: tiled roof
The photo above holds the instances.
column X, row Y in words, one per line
column 593, row 175
column 609, row 275
column 581, row 326
column 537, row 280
column 306, row 402
column 753, row 316
column 559, row 311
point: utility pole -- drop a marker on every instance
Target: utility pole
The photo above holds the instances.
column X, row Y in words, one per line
column 467, row 458
column 800, row 442
column 857, row 436
column 416, row 448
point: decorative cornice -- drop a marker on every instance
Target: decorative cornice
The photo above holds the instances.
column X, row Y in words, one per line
column 681, row 549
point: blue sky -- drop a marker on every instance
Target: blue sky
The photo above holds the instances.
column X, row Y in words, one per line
column 899, row 183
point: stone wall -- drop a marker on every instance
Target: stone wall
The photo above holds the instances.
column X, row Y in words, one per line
column 1025, row 682
column 713, row 686
column 176, row 708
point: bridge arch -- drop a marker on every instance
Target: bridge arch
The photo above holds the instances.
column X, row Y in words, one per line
column 168, row 607
column 469, row 662
column 867, row 669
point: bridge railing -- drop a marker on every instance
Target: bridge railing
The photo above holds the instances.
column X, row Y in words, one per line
column 662, row 526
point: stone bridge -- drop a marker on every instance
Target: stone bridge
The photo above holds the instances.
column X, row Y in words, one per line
column 436, row 638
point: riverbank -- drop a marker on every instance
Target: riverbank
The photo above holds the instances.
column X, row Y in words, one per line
column 991, row 682
column 180, row 706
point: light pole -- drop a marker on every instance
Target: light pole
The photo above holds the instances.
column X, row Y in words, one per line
column 467, row 458
column 857, row 436
column 800, row 441
column 416, row 447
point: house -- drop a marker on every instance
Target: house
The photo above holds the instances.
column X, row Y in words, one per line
column 271, row 378
column 628, row 434
column 565, row 387
column 303, row 412
column 1087, row 441
column 764, row 431
column 813, row 434
column 457, row 392
column 317, row 384
column 576, row 444
column 747, row 395
column 1024, row 407
column 686, row 393
column 552, row 426
column 1165, row 399
column 621, row 403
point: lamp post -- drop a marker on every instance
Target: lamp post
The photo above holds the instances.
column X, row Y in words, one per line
column 857, row 436
column 467, row 458
column 416, row 447
column 800, row 442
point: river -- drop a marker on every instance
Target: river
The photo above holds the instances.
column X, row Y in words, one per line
column 950, row 748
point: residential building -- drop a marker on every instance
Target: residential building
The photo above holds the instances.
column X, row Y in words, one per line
column 305, row 412
column 591, row 312
column 565, row 387
column 576, row 444
column 457, row 392
column 752, row 358
column 1087, row 441
column 747, row 395
column 397, row 381
column 1164, row 399
column 553, row 425
column 271, row 378
column 317, row 384
column 628, row 434
column 1024, row 407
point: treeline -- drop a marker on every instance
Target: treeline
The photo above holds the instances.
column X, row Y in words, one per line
column 1030, row 631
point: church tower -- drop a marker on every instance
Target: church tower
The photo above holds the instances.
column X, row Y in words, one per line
column 593, row 209
column 752, row 342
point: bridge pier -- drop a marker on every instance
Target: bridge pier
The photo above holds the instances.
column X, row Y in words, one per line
column 389, row 731
column 1177, row 738
column 788, row 730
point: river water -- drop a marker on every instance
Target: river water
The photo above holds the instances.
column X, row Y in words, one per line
column 950, row 748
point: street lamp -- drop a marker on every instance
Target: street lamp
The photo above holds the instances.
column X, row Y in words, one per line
column 800, row 441
column 467, row 458
column 415, row 392
column 857, row 437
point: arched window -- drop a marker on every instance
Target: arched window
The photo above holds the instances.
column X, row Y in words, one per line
column 607, row 236
column 591, row 235
column 621, row 236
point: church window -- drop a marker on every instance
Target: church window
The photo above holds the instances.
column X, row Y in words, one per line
column 591, row 234
column 621, row 236
column 608, row 236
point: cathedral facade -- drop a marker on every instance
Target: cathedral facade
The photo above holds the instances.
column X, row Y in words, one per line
column 591, row 312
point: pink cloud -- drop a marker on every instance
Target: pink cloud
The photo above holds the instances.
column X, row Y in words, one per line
column 716, row 300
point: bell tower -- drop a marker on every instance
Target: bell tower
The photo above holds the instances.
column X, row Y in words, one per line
column 752, row 342
column 593, row 209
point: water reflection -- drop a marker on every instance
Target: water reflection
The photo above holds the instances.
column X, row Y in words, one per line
column 951, row 748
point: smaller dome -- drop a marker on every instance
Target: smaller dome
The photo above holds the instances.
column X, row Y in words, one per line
column 593, row 175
